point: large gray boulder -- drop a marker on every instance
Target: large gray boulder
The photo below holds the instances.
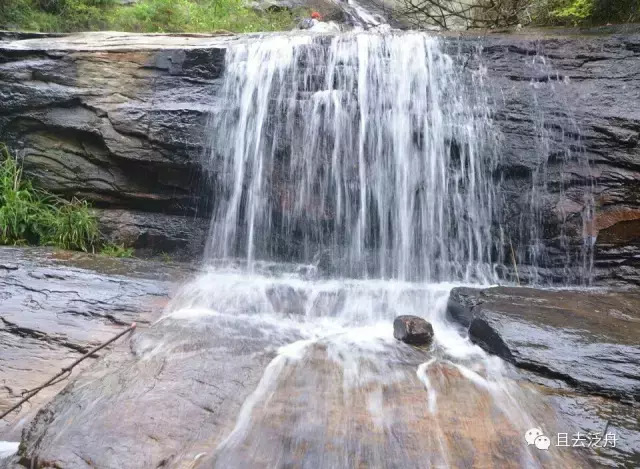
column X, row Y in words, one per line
column 587, row 339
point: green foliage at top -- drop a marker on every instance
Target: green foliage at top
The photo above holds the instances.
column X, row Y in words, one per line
column 576, row 11
column 30, row 216
column 191, row 16
column 54, row 15
column 583, row 12
column 145, row 16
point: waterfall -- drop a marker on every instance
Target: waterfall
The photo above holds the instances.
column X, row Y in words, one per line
column 372, row 153
column 375, row 157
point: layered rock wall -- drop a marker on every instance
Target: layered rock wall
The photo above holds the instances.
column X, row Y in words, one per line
column 121, row 120
column 117, row 124
column 568, row 114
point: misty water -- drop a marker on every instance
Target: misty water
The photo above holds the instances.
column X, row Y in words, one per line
column 353, row 180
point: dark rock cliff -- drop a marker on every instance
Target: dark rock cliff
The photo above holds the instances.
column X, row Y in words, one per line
column 567, row 109
column 119, row 124
column 120, row 120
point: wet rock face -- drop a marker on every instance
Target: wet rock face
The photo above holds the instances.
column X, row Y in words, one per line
column 153, row 233
column 589, row 340
column 566, row 111
column 120, row 125
column 285, row 299
column 157, row 398
column 412, row 330
column 120, row 119
column 391, row 423
column 52, row 312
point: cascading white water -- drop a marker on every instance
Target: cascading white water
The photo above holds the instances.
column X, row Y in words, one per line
column 374, row 154
column 373, row 151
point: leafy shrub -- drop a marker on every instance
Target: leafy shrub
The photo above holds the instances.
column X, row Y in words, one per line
column 70, row 225
column 584, row 12
column 19, row 205
column 576, row 11
column 30, row 216
column 172, row 16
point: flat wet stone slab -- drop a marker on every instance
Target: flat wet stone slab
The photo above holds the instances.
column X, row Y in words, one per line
column 421, row 412
column 588, row 339
column 164, row 400
column 161, row 397
column 52, row 311
column 595, row 415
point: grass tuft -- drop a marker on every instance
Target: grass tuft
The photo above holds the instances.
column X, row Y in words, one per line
column 32, row 216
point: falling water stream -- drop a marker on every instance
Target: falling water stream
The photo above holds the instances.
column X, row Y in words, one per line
column 365, row 162
column 369, row 150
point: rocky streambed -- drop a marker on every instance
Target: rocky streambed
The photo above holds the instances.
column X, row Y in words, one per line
column 55, row 306
column 131, row 407
column 173, row 392
column 580, row 346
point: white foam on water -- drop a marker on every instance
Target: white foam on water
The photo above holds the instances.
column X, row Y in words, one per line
column 349, row 323
column 431, row 393
column 8, row 449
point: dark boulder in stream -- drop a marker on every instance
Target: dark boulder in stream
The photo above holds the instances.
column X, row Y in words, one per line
column 413, row 330
column 587, row 339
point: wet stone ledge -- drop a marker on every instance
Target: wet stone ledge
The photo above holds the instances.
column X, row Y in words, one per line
column 55, row 306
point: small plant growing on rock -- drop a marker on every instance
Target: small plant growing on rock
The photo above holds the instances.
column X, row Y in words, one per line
column 116, row 250
column 71, row 225
column 166, row 257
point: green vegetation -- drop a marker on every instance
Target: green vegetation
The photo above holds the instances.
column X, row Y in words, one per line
column 146, row 16
column 31, row 216
column 585, row 12
column 116, row 250
column 166, row 257
column 576, row 11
